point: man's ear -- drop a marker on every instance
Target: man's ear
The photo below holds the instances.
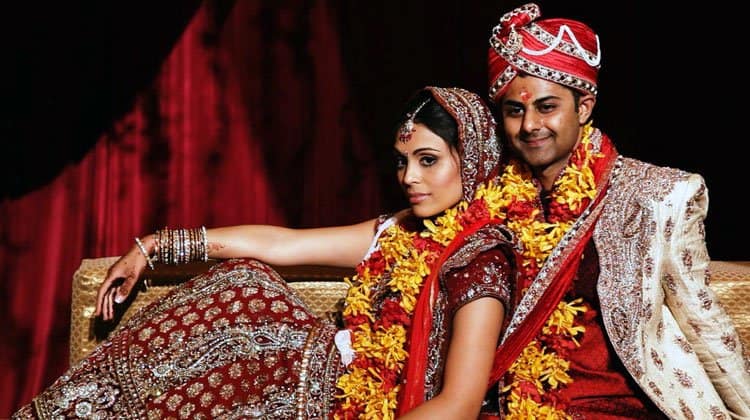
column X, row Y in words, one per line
column 586, row 108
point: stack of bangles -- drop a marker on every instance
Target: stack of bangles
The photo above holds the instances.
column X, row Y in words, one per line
column 177, row 246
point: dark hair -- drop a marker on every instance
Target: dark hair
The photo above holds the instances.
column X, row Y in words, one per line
column 432, row 115
column 576, row 97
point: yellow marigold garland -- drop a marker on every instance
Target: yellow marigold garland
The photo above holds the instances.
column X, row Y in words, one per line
column 539, row 371
column 369, row 388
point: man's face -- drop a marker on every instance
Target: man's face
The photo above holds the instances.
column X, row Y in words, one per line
column 543, row 124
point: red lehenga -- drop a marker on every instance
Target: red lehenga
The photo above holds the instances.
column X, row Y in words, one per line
column 235, row 342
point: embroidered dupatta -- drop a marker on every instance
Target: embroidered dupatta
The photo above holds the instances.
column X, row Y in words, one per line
column 479, row 151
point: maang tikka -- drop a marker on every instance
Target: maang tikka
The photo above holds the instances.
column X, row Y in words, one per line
column 404, row 133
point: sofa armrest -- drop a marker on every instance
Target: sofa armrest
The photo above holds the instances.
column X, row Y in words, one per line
column 321, row 287
column 731, row 282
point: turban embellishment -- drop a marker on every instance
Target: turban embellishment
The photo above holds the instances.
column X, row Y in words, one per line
column 559, row 50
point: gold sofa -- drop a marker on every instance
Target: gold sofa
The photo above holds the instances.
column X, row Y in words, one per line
column 321, row 287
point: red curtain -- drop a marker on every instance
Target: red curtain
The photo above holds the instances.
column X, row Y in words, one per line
column 247, row 122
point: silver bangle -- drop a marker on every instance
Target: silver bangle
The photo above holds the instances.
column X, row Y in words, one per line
column 145, row 254
column 204, row 242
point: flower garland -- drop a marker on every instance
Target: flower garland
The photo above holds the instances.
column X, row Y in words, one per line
column 536, row 375
column 571, row 194
column 541, row 368
column 369, row 388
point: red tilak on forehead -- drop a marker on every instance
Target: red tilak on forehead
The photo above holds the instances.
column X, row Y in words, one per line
column 525, row 95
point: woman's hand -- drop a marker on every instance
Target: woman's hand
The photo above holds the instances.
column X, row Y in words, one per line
column 120, row 279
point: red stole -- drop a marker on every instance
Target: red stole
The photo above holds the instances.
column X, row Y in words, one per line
column 511, row 348
column 562, row 279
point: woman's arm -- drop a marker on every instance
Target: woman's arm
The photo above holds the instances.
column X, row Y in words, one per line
column 476, row 330
column 342, row 246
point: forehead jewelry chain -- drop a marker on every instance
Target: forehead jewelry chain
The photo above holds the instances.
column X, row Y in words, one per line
column 404, row 133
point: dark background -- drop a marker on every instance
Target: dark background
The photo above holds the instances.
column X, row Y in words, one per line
column 671, row 88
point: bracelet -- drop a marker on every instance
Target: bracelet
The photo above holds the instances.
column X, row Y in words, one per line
column 204, row 243
column 145, row 254
column 180, row 246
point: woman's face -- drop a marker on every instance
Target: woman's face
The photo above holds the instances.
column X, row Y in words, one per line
column 429, row 171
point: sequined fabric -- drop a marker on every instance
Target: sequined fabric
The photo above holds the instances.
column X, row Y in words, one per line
column 664, row 322
column 479, row 146
column 594, row 364
column 665, row 327
column 235, row 342
column 479, row 273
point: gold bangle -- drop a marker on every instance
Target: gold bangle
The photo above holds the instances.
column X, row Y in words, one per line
column 145, row 254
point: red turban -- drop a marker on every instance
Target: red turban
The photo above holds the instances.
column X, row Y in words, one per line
column 559, row 50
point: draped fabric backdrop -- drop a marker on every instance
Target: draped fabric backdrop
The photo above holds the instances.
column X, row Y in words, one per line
column 245, row 123
column 141, row 115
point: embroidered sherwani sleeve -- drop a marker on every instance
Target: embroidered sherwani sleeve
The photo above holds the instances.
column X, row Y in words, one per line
column 706, row 326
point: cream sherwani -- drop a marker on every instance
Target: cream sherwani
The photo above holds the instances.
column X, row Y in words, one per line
column 665, row 323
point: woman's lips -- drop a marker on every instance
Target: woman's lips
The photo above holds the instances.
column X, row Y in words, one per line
column 417, row 198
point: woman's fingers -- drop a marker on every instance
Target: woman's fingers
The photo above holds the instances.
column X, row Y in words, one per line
column 102, row 292
column 111, row 302
column 105, row 306
column 108, row 309
column 124, row 289
column 118, row 283
column 112, row 294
